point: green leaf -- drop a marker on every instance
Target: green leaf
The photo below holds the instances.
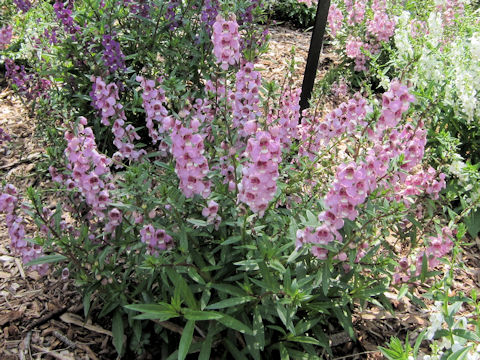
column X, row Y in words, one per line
column 229, row 289
column 186, row 340
column 418, row 342
column 117, row 331
column 460, row 354
column 304, row 339
column 161, row 311
column 283, row 352
column 230, row 302
column 466, row 334
column 47, row 259
column 235, row 324
column 248, row 265
column 179, row 282
column 206, row 346
column 198, row 315
column 232, row 240
column 196, row 222
column 472, row 221
column 258, row 329
column 325, row 278
column 403, row 291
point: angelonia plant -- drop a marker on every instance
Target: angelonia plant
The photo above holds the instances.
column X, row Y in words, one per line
column 56, row 43
column 433, row 49
column 223, row 210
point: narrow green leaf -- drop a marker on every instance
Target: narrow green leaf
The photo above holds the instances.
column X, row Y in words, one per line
column 325, row 278
column 183, row 288
column 47, row 259
column 403, row 291
column 283, row 352
column 186, row 340
column 460, row 354
column 162, row 311
column 258, row 328
column 197, row 222
column 150, row 308
column 230, row 302
column 198, row 315
column 466, row 334
column 232, row 240
column 418, row 342
column 160, row 316
column 235, row 324
column 206, row 346
column 304, row 339
column 117, row 331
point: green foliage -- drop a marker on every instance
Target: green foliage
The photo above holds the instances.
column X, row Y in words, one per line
column 293, row 12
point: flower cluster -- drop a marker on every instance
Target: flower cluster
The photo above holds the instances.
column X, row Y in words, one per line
column 171, row 15
column 113, row 56
column 90, row 170
column 5, row 36
column 105, row 99
column 356, row 11
column 225, row 38
column 28, row 85
column 16, row 229
column 191, row 165
column 156, row 239
column 283, row 123
column 450, row 10
column 64, row 15
column 344, row 119
column 424, row 181
column 437, row 248
column 258, row 185
column 153, row 97
column 378, row 28
column 246, row 16
column 209, row 14
column 246, row 104
column 381, row 26
column 356, row 180
column 211, row 213
column 394, row 103
column 138, row 7
column 23, row 5
column 335, row 19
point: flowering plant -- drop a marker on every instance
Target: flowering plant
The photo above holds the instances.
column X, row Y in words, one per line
column 237, row 220
column 449, row 334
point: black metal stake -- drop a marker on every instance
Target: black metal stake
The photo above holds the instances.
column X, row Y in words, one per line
column 314, row 52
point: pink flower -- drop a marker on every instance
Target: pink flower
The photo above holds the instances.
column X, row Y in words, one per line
column 226, row 44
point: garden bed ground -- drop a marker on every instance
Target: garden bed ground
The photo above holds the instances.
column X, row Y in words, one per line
column 40, row 317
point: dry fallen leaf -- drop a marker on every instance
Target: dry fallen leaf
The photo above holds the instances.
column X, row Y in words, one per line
column 77, row 320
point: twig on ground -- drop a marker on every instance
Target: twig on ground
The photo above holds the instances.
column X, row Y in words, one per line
column 71, row 344
column 25, row 347
column 52, row 353
column 51, row 315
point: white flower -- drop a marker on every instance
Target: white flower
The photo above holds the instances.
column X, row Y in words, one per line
column 475, row 46
column 436, row 321
column 456, row 168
